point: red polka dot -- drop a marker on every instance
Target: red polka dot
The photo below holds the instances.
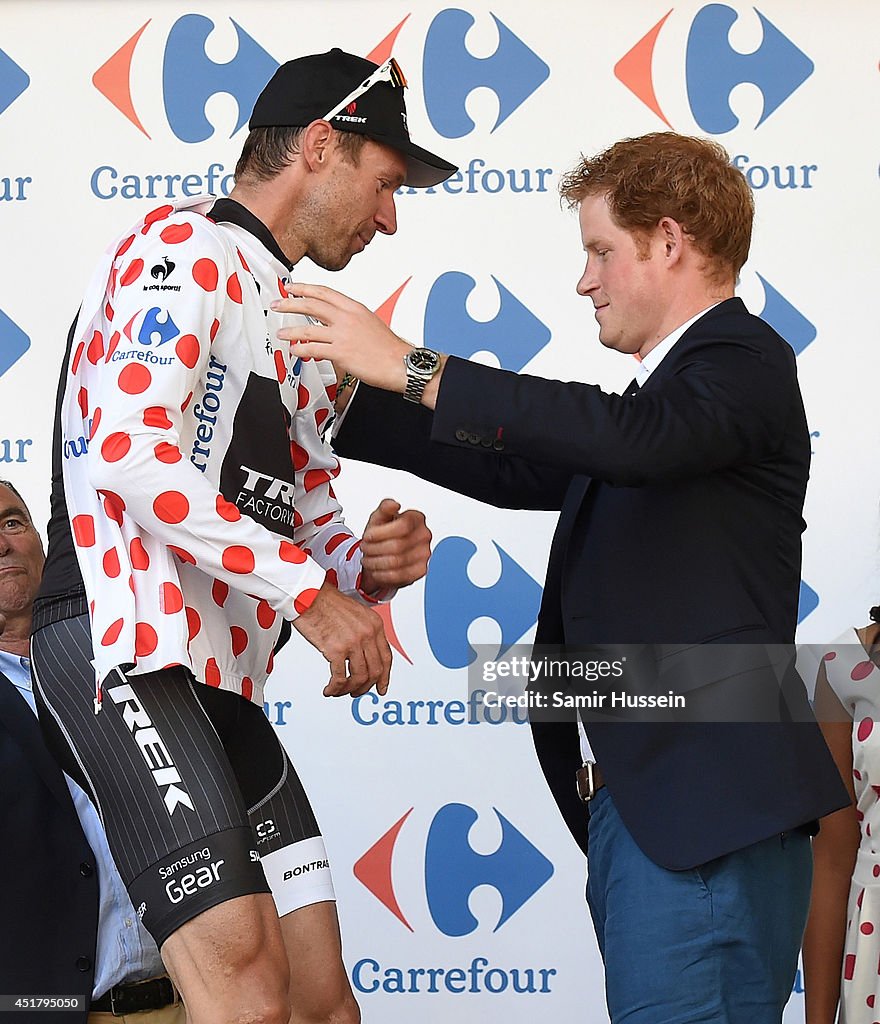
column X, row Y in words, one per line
column 849, row 966
column 302, row 602
column 876, row 870
column 859, row 899
column 132, row 272
column 135, row 379
column 205, row 274
column 111, row 348
column 323, row 520
column 299, row 456
column 111, row 634
column 247, row 688
column 226, row 510
column 219, row 592
column 182, row 554
column 160, row 213
column 270, row 664
column 233, row 288
column 302, row 396
column 188, row 350
column 212, row 673
column 857, row 774
column 332, row 578
column 870, row 1001
column 96, row 348
column 351, row 551
column 335, row 541
column 863, row 669
column 77, row 356
column 171, row 507
column 170, row 598
column 297, row 519
column 331, row 392
column 239, row 640
column 243, row 260
column 282, row 291
column 96, row 419
column 125, row 246
column 866, row 928
column 865, row 727
column 82, row 400
column 238, row 559
column 138, row 556
column 315, row 478
column 114, row 506
column 830, row 656
column 266, row 615
column 186, row 402
column 288, row 552
column 175, row 233
column 115, row 447
column 320, row 416
column 215, row 326
column 110, row 562
column 146, row 640
column 168, row 453
column 127, row 329
column 83, row 531
column 108, row 311
column 193, row 622
column 157, row 417
column 280, row 368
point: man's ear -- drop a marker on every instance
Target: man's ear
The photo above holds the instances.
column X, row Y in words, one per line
column 317, row 144
column 673, row 236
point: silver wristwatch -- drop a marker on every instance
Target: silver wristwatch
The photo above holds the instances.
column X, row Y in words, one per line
column 421, row 365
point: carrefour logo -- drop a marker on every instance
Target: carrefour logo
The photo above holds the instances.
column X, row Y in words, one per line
column 713, row 68
column 453, row 869
column 189, row 78
column 13, row 81
column 788, row 321
column 451, row 73
column 13, row 343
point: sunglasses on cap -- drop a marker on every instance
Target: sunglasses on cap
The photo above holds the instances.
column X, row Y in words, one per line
column 389, row 72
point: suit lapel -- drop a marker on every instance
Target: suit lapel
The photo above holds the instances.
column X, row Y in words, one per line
column 24, row 729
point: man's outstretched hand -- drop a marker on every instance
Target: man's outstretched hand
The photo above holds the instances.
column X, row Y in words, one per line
column 352, row 638
column 396, row 547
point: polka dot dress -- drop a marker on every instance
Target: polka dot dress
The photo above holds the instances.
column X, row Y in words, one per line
column 856, row 681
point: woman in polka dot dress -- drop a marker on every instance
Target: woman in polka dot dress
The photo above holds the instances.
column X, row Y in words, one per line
column 842, row 941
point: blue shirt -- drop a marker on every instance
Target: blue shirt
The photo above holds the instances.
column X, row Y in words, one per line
column 126, row 950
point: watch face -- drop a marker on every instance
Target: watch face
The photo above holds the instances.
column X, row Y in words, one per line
column 423, row 360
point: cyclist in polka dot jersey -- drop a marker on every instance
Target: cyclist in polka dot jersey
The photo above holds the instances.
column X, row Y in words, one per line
column 193, row 516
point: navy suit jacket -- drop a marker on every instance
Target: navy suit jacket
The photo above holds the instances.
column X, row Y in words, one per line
column 681, row 520
column 49, row 915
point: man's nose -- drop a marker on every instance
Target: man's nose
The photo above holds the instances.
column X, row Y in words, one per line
column 587, row 282
column 386, row 215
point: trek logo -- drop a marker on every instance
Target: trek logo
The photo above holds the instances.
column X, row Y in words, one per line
column 13, row 343
column 513, row 336
column 453, row 601
column 450, row 73
column 13, row 81
column 713, row 68
column 453, row 869
column 265, row 496
column 189, row 77
column 154, row 751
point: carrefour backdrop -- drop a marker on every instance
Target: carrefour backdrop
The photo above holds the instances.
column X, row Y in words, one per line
column 460, row 891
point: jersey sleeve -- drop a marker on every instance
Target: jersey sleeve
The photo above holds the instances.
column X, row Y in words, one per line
column 146, row 366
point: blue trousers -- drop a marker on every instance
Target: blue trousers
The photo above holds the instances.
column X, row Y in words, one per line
column 717, row 944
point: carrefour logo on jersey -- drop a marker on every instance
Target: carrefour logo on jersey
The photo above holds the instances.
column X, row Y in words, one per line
column 438, row 894
column 688, row 67
column 162, row 79
column 13, row 82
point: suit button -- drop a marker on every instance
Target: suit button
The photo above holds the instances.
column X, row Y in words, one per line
column 498, row 446
column 486, row 442
column 461, row 435
column 83, row 964
column 474, row 438
column 86, row 870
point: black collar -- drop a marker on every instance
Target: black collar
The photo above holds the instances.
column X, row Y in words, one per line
column 234, row 213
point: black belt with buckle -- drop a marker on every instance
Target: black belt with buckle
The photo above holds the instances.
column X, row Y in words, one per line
column 143, row 995
column 589, row 780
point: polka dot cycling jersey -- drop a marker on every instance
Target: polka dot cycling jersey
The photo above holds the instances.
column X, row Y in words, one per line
column 198, row 484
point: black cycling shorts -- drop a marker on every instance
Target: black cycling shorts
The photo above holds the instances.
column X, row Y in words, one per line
column 198, row 797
